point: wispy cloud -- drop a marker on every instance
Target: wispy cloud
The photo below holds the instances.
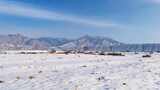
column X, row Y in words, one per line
column 32, row 12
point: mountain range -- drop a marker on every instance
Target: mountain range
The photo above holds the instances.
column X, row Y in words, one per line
column 19, row 42
column 84, row 43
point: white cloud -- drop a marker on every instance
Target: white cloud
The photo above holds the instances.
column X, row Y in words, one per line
column 32, row 12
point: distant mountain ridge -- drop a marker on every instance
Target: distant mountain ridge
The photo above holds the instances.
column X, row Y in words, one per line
column 84, row 43
column 18, row 41
column 138, row 47
column 91, row 43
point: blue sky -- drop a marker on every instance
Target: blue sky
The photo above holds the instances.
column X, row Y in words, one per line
column 130, row 21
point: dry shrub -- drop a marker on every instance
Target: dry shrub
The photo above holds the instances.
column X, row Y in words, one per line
column 1, row 81
column 116, row 54
column 39, row 71
column 31, row 77
column 17, row 77
column 123, row 83
column 84, row 66
column 146, row 56
column 102, row 53
column 101, row 78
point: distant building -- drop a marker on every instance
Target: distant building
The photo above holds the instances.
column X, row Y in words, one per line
column 57, row 50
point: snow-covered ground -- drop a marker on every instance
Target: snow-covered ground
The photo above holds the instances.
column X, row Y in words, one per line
column 79, row 72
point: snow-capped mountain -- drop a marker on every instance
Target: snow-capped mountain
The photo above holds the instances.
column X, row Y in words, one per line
column 18, row 41
column 84, row 43
column 91, row 43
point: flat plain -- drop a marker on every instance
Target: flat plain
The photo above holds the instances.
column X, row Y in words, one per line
column 79, row 72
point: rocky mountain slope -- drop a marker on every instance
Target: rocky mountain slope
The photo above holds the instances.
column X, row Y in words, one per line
column 91, row 44
column 17, row 41
column 84, row 43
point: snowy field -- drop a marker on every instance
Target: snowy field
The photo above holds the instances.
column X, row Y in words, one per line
column 79, row 72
